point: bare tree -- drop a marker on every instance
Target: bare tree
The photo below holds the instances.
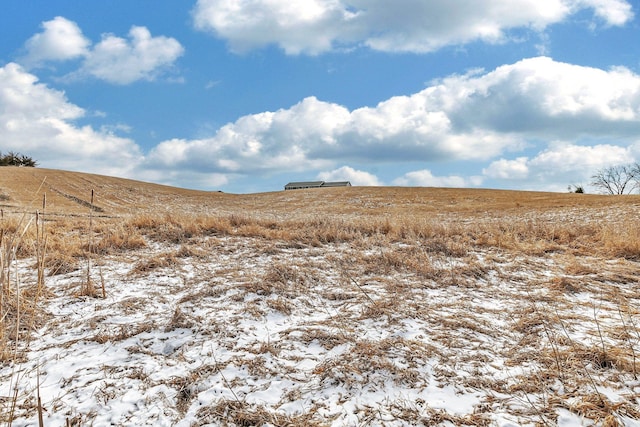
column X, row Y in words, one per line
column 620, row 179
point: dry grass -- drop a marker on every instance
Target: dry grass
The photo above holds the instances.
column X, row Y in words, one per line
column 554, row 269
column 241, row 414
column 19, row 309
column 164, row 260
column 118, row 240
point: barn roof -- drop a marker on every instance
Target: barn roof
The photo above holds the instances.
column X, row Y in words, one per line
column 304, row 184
column 316, row 184
column 336, row 184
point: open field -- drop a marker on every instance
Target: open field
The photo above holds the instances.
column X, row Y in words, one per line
column 328, row 307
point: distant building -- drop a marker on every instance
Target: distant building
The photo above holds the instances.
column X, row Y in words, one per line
column 336, row 184
column 315, row 184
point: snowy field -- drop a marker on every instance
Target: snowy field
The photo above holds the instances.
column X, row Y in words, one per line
column 234, row 329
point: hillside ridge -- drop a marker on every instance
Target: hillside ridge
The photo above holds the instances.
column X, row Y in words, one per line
column 23, row 189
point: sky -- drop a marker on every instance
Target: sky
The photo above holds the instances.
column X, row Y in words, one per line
column 245, row 96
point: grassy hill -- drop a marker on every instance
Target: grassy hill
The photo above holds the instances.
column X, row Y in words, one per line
column 349, row 306
column 70, row 192
column 22, row 189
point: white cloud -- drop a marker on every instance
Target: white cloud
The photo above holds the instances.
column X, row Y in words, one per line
column 39, row 121
column 142, row 57
column 508, row 169
column 298, row 26
column 562, row 157
column 114, row 59
column 315, row 26
column 185, row 177
column 478, row 116
column 424, row 178
column 612, row 12
column 269, row 141
column 561, row 163
column 544, row 98
column 346, row 173
column 314, row 134
column 60, row 40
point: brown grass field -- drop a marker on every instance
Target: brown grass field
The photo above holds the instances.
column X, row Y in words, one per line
column 21, row 189
column 337, row 306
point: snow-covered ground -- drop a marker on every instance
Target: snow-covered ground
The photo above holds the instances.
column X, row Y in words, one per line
column 250, row 331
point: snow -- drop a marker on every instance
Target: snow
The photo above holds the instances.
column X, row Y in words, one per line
column 308, row 332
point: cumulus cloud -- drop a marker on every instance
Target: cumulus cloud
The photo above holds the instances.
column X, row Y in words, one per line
column 478, row 116
column 142, row 57
column 346, row 173
column 60, row 40
column 264, row 142
column 39, row 121
column 560, row 162
column 540, row 96
column 315, row 26
column 571, row 157
column 315, row 134
column 424, row 178
column 114, row 59
column 612, row 12
column 508, row 169
column 184, row 177
column 297, row 26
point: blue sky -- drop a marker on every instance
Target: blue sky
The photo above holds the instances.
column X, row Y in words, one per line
column 246, row 95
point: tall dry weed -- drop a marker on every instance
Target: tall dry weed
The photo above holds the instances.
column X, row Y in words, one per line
column 622, row 240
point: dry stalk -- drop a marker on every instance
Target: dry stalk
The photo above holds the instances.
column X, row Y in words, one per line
column 11, row 304
column 627, row 336
column 533, row 406
column 104, row 292
column 14, row 403
column 554, row 347
column 224, row 379
column 40, row 420
column 584, row 366
column 41, row 243
column 604, row 348
column 87, row 288
column 550, row 337
column 355, row 282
